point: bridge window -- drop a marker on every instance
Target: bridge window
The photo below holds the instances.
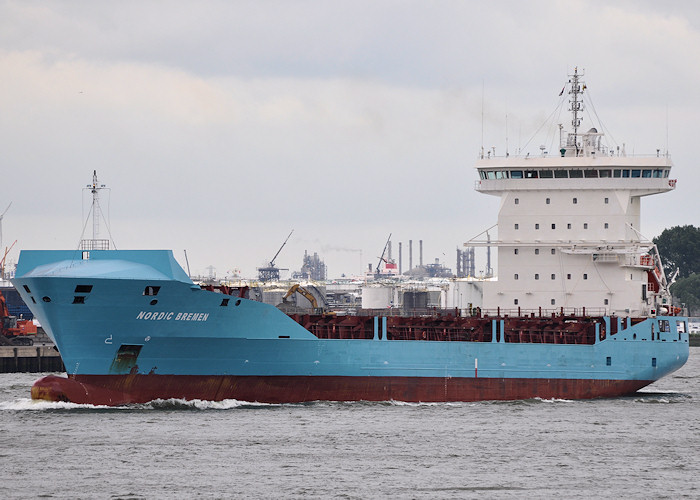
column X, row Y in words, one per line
column 617, row 173
column 545, row 174
column 561, row 174
column 646, row 174
column 83, row 288
column 516, row 174
column 658, row 173
column 636, row 173
column 576, row 174
column 605, row 173
column 531, row 174
column 490, row 175
column 501, row 174
column 591, row 174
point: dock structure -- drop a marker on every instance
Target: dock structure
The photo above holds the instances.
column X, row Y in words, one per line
column 30, row 359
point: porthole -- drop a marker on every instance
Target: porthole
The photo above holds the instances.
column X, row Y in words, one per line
column 46, row 298
column 154, row 302
column 238, row 302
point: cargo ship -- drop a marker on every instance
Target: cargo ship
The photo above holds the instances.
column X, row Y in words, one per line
column 581, row 308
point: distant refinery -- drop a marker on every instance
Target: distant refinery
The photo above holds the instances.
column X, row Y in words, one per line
column 314, row 268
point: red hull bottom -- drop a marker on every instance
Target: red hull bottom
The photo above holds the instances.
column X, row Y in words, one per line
column 124, row 389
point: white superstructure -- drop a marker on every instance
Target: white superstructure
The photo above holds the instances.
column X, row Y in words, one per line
column 568, row 226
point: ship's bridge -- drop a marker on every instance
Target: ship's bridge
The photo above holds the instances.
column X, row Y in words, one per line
column 641, row 175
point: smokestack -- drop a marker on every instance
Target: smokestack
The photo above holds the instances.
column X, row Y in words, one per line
column 459, row 263
column 400, row 268
column 410, row 254
column 420, row 258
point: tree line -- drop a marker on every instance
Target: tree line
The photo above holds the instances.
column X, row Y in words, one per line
column 679, row 248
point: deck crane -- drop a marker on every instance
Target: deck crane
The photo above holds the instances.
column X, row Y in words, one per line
column 270, row 272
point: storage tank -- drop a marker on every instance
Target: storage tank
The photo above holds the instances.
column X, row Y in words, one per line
column 377, row 296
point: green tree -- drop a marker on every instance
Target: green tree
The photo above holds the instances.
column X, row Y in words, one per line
column 679, row 248
column 687, row 291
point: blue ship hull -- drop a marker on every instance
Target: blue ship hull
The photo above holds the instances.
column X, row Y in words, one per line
column 132, row 327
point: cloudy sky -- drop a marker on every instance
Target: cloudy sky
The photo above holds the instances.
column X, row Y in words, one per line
column 220, row 126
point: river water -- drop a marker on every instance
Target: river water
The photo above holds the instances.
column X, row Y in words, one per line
column 642, row 446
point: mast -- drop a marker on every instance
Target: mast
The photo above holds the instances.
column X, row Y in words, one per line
column 95, row 190
column 576, row 102
column 95, row 243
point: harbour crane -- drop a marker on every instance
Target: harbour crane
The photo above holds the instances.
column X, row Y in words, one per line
column 270, row 272
column 377, row 272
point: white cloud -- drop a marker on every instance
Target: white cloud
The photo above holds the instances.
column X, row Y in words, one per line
column 221, row 127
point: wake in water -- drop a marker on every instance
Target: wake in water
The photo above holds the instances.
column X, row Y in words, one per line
column 27, row 404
